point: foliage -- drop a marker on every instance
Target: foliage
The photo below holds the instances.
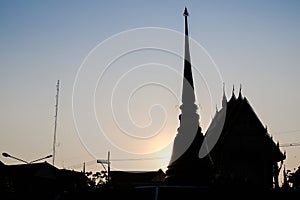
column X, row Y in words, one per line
column 97, row 179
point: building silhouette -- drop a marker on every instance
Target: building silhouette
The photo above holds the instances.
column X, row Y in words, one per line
column 39, row 181
column 245, row 154
column 236, row 150
column 136, row 178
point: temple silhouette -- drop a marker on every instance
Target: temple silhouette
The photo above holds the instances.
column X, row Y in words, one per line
column 235, row 152
column 236, row 149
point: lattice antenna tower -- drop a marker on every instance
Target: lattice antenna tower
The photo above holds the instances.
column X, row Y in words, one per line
column 55, row 122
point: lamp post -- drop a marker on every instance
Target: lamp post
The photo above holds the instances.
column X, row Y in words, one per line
column 10, row 156
column 49, row 156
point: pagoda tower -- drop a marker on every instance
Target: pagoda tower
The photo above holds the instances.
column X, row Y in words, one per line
column 185, row 167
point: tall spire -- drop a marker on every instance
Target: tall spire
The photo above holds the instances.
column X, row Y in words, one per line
column 188, row 95
column 185, row 167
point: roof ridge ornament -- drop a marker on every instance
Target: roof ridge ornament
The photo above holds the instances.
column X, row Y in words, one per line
column 224, row 100
column 233, row 95
column 240, row 92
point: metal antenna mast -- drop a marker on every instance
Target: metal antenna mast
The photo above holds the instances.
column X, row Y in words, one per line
column 55, row 122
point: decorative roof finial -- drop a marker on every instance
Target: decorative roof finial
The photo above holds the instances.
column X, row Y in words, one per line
column 224, row 100
column 240, row 92
column 185, row 13
column 233, row 95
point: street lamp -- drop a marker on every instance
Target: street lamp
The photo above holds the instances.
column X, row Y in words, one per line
column 10, row 156
column 49, row 156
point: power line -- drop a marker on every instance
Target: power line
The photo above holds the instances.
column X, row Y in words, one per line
column 290, row 144
column 88, row 163
column 138, row 159
column 287, row 131
column 92, row 162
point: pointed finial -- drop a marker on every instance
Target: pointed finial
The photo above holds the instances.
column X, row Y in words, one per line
column 224, row 100
column 240, row 92
column 240, row 88
column 233, row 90
column 224, row 95
column 185, row 13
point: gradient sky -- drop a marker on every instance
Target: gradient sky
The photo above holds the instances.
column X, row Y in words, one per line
column 253, row 43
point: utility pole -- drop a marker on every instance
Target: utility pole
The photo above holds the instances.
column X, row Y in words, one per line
column 102, row 162
column 55, row 122
column 108, row 166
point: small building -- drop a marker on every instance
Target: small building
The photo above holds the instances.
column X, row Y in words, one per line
column 136, row 178
column 36, row 179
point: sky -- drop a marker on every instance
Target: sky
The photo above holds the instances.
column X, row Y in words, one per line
column 119, row 64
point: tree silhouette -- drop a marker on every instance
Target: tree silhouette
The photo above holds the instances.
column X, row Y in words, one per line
column 97, row 179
